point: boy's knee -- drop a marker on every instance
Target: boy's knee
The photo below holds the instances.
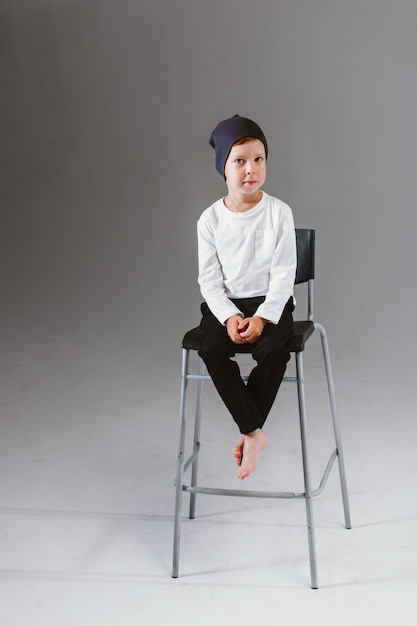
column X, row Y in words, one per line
column 209, row 352
column 275, row 352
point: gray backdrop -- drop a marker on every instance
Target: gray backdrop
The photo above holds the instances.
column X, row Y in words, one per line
column 106, row 110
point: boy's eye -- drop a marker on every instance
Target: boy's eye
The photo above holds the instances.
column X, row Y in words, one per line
column 239, row 161
column 258, row 159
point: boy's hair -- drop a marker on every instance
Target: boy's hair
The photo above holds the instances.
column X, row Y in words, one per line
column 230, row 132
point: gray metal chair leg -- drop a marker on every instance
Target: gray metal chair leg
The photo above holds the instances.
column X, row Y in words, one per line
column 306, row 468
column 336, row 425
column 196, row 444
column 180, row 465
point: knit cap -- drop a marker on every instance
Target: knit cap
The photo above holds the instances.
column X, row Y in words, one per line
column 228, row 133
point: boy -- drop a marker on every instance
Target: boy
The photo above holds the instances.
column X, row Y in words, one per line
column 247, row 261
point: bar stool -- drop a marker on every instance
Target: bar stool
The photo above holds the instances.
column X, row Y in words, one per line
column 303, row 330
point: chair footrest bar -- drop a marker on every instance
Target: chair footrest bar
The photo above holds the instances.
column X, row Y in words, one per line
column 213, row 491
column 189, row 461
column 242, row 492
column 326, row 475
column 193, row 455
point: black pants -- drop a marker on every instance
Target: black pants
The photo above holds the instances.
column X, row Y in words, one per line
column 250, row 403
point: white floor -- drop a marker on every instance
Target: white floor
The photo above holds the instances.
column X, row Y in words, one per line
column 88, row 449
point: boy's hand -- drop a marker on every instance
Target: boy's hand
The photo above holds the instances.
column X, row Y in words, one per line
column 251, row 328
column 246, row 330
column 234, row 328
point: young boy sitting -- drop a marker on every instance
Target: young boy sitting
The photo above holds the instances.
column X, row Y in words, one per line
column 247, row 261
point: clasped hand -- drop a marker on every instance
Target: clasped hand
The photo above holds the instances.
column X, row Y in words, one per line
column 245, row 330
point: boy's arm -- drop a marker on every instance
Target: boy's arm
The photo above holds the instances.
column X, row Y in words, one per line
column 210, row 277
column 282, row 272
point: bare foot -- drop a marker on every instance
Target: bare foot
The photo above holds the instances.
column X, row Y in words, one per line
column 253, row 444
column 237, row 450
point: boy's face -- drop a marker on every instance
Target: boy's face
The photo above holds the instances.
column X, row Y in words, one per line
column 245, row 168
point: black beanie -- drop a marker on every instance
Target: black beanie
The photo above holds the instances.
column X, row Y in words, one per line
column 228, row 133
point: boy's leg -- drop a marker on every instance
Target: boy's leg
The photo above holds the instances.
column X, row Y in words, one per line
column 216, row 351
column 263, row 384
column 249, row 404
column 272, row 356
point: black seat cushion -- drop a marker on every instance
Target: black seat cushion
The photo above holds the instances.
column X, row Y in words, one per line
column 302, row 331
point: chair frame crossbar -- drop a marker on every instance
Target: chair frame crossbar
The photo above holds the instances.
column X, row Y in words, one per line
column 183, row 464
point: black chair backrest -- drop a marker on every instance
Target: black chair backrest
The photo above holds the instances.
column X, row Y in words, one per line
column 305, row 254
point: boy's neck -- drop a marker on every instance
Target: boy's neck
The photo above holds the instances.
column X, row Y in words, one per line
column 240, row 205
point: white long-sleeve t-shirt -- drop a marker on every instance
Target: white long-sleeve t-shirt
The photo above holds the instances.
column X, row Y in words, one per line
column 242, row 255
